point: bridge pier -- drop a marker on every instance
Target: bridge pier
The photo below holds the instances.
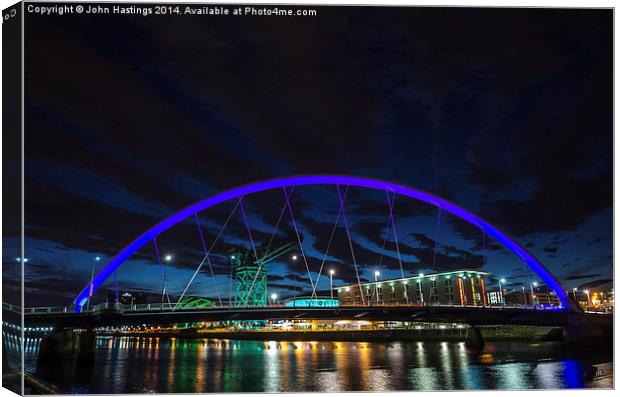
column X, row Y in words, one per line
column 67, row 353
column 474, row 337
column 579, row 332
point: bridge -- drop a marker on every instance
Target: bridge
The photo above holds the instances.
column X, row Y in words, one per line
column 249, row 264
column 471, row 315
column 287, row 185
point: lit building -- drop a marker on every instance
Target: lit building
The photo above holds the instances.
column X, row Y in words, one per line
column 495, row 297
column 542, row 296
column 461, row 287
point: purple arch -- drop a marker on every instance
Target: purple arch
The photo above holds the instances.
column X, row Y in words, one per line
column 270, row 184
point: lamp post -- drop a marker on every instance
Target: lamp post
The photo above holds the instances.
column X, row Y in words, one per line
column 532, row 285
column 167, row 259
column 501, row 291
column 331, row 284
column 377, row 274
column 524, row 296
column 92, row 276
column 420, row 275
column 274, row 296
column 575, row 294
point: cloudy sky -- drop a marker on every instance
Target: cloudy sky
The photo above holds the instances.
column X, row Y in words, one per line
column 507, row 113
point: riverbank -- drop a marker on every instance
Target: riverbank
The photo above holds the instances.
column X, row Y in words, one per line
column 32, row 384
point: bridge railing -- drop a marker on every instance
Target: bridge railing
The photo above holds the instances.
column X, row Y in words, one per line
column 159, row 307
column 47, row 310
column 13, row 308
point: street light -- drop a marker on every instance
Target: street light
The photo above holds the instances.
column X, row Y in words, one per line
column 575, row 294
column 91, row 288
column 331, row 284
column 294, row 257
column 20, row 259
column 377, row 274
column 420, row 275
column 167, row 258
column 274, row 296
column 501, row 291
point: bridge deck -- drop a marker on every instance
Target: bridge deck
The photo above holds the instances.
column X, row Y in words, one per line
column 451, row 314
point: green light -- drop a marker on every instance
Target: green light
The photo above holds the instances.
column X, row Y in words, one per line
column 319, row 302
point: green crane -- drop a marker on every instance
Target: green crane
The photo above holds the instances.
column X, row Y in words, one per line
column 249, row 268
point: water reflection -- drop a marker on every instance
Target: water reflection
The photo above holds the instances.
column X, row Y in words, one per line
column 176, row 365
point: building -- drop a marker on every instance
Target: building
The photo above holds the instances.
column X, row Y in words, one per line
column 541, row 296
column 461, row 287
column 308, row 301
column 128, row 298
column 495, row 297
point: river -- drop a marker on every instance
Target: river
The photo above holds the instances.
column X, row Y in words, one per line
column 145, row 365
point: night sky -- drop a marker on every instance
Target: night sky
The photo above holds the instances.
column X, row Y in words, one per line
column 505, row 112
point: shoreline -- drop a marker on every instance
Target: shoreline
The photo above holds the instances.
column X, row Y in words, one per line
column 457, row 335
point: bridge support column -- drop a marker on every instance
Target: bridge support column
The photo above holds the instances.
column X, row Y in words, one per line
column 67, row 352
column 474, row 337
column 578, row 332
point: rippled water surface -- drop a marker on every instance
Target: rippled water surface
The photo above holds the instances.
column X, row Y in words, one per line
column 139, row 365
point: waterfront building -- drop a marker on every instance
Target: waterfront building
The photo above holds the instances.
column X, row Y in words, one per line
column 518, row 298
column 495, row 297
column 542, row 296
column 461, row 287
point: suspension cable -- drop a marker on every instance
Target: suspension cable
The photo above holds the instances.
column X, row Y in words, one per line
column 346, row 224
column 207, row 254
column 301, row 248
column 221, row 231
column 162, row 272
column 331, row 237
column 436, row 237
column 247, row 227
column 391, row 206
column 260, row 265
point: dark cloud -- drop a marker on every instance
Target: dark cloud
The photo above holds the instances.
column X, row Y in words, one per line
column 581, row 276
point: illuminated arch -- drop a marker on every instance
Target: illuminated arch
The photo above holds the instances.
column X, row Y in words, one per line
column 149, row 235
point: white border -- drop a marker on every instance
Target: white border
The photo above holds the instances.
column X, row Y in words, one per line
column 459, row 3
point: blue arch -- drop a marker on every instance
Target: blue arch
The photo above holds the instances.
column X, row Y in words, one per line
column 305, row 180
